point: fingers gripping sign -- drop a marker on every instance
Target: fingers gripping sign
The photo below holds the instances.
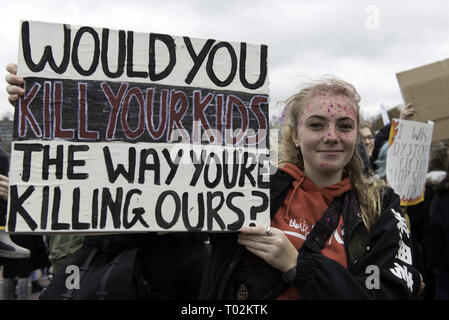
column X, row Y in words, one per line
column 408, row 112
column 271, row 245
column 4, row 185
column 15, row 82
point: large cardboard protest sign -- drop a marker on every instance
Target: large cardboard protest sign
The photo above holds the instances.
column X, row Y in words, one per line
column 408, row 159
column 427, row 87
column 122, row 131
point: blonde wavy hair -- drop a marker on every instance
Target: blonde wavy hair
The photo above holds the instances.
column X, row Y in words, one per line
column 367, row 189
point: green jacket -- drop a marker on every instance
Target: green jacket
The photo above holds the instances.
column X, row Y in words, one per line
column 62, row 246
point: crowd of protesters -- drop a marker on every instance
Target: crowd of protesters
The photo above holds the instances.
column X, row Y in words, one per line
column 337, row 229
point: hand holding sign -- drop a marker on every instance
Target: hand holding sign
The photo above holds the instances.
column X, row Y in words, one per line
column 182, row 149
column 408, row 112
column 14, row 82
column 275, row 248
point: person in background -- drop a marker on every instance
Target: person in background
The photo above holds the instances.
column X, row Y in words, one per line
column 61, row 248
column 8, row 249
column 417, row 216
column 438, row 236
column 367, row 141
column 367, row 138
column 406, row 113
column 34, row 278
column 420, row 214
column 381, row 162
column 319, row 183
column 147, row 266
column 16, row 271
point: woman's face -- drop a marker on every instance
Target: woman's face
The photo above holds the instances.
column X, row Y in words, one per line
column 368, row 140
column 327, row 134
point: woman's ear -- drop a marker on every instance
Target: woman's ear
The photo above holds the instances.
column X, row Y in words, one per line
column 295, row 139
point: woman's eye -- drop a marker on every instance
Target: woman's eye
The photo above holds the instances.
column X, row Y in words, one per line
column 346, row 126
column 316, row 125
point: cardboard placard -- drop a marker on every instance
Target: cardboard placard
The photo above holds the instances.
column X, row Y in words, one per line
column 132, row 132
column 427, row 87
column 408, row 159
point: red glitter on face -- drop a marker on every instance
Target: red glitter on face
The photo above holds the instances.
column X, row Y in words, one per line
column 328, row 135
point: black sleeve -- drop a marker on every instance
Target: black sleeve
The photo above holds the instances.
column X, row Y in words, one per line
column 4, row 162
column 436, row 240
column 4, row 169
column 379, row 140
column 384, row 272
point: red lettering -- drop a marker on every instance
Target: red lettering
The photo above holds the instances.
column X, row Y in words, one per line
column 25, row 114
column 255, row 103
column 157, row 134
column 47, row 103
column 133, row 134
column 115, row 102
column 219, row 105
column 59, row 132
column 83, row 132
column 235, row 101
column 176, row 98
column 199, row 119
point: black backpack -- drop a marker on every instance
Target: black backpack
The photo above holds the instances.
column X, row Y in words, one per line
column 104, row 272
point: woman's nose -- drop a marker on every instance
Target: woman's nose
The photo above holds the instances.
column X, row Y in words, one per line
column 331, row 133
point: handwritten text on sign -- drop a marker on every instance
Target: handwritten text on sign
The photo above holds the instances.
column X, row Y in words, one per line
column 408, row 159
column 130, row 132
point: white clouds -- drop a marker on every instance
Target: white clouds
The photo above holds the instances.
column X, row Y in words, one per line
column 307, row 38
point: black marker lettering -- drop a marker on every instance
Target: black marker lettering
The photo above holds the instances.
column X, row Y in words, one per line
column 171, row 47
column 76, row 224
column 96, row 55
column 240, row 215
column 55, row 224
column 16, row 206
column 114, row 206
column 71, row 162
column 48, row 53
column 57, row 162
column 144, row 166
column 213, row 212
column 27, row 152
column 197, row 59
column 113, row 174
column 121, row 54
column 159, row 218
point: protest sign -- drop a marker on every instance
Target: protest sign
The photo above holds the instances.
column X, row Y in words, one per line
column 121, row 131
column 427, row 88
column 408, row 159
column 384, row 113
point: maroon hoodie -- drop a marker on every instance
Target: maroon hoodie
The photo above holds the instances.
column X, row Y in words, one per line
column 304, row 206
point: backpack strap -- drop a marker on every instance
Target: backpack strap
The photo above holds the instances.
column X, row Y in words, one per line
column 316, row 239
column 102, row 291
column 280, row 184
column 83, row 271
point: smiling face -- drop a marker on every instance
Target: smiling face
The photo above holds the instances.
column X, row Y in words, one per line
column 368, row 140
column 327, row 134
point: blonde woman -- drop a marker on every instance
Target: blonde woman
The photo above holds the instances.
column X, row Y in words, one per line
column 333, row 234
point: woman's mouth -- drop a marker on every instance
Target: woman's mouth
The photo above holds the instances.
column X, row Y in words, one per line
column 330, row 152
